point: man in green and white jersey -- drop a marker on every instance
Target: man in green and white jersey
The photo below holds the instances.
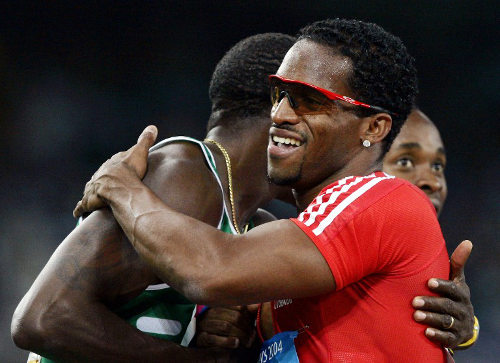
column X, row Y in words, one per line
column 95, row 299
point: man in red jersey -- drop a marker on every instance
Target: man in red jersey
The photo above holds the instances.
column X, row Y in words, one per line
column 342, row 274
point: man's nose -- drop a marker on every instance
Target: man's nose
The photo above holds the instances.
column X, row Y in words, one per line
column 429, row 182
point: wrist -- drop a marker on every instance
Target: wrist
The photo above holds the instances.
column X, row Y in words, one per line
column 112, row 187
column 475, row 335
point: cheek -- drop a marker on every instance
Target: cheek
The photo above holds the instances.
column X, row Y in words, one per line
column 390, row 168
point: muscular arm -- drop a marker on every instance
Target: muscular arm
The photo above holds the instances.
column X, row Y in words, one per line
column 230, row 326
column 66, row 313
column 204, row 264
column 267, row 263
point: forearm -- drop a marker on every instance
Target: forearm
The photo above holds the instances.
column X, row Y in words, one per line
column 65, row 314
column 90, row 334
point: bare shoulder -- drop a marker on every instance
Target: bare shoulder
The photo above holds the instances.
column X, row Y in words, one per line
column 179, row 174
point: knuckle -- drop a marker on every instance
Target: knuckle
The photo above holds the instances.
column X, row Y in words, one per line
column 446, row 321
column 466, row 293
column 225, row 325
column 448, row 305
column 453, row 289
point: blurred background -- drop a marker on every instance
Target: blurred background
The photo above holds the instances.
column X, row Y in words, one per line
column 79, row 82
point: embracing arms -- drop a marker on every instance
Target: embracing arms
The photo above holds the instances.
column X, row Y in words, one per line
column 118, row 184
column 223, row 269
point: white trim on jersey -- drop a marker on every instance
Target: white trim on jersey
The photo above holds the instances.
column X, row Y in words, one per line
column 211, row 163
column 190, row 331
column 334, row 194
column 322, row 205
column 157, row 287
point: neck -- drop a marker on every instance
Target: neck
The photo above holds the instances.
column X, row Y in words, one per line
column 247, row 152
column 365, row 162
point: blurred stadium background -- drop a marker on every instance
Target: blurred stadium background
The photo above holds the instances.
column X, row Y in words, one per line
column 80, row 80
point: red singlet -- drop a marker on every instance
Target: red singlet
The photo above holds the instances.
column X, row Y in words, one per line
column 382, row 241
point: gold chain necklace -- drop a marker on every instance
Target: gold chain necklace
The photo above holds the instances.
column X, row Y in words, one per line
column 230, row 182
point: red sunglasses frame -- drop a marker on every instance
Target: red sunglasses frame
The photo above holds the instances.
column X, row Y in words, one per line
column 330, row 95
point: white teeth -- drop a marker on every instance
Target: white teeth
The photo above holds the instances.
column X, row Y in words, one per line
column 286, row 141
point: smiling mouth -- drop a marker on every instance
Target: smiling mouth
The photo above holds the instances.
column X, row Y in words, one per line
column 286, row 141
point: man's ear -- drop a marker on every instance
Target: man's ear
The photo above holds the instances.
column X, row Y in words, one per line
column 376, row 127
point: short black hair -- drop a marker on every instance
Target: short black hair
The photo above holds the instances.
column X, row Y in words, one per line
column 240, row 86
column 384, row 73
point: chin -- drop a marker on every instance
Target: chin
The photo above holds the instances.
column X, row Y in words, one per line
column 283, row 180
column 283, row 176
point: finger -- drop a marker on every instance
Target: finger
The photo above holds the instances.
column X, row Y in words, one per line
column 225, row 328
column 459, row 259
column 436, row 320
column 229, row 323
column 445, row 338
column 148, row 137
column 205, row 339
column 77, row 212
column 454, row 290
column 440, row 305
column 234, row 317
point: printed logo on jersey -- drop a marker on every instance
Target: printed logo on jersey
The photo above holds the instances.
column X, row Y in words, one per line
column 283, row 302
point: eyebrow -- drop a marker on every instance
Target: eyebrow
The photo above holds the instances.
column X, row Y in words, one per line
column 441, row 150
column 416, row 145
column 410, row 145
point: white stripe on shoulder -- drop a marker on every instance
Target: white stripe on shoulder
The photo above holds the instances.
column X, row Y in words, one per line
column 322, row 201
column 333, row 197
column 319, row 199
column 346, row 202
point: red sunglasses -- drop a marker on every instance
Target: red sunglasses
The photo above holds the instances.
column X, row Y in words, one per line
column 308, row 98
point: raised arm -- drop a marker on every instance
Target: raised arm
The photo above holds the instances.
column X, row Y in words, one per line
column 204, row 264
column 66, row 315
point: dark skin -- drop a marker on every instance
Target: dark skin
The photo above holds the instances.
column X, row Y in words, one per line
column 321, row 284
column 95, row 268
column 107, row 272
column 418, row 155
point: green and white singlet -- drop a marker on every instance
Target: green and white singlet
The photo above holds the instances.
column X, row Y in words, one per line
column 159, row 310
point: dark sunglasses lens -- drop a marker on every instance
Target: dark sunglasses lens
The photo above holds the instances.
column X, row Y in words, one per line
column 305, row 99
